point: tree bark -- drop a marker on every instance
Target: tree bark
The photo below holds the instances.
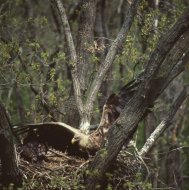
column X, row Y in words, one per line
column 85, row 109
column 85, row 40
column 10, row 170
column 73, row 56
column 151, row 84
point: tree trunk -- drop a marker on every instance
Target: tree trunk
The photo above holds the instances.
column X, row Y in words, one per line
column 10, row 170
column 85, row 40
column 151, row 83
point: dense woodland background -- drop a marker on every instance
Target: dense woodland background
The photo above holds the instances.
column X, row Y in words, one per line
column 36, row 76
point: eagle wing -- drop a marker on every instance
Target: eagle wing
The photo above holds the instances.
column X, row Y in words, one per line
column 23, row 128
column 114, row 106
column 56, row 134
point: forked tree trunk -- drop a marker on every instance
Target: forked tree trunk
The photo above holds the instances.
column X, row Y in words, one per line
column 10, row 170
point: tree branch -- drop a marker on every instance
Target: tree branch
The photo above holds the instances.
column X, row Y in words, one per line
column 73, row 56
column 175, row 61
column 165, row 123
column 147, row 92
column 111, row 55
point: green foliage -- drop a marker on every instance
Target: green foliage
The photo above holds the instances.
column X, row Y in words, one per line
column 33, row 57
column 27, row 53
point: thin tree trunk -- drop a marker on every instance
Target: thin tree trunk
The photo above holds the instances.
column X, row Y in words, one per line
column 102, row 42
column 85, row 40
column 20, row 104
column 10, row 170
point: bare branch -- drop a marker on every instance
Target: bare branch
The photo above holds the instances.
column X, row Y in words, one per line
column 131, row 11
column 73, row 55
column 165, row 123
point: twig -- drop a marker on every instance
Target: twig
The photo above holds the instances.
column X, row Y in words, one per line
column 59, row 154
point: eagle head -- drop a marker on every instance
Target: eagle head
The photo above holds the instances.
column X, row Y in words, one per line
column 82, row 140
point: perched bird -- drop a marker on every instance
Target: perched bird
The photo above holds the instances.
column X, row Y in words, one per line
column 66, row 138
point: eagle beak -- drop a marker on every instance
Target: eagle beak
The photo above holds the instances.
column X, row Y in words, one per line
column 74, row 140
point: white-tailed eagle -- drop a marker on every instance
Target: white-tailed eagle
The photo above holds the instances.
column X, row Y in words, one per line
column 64, row 137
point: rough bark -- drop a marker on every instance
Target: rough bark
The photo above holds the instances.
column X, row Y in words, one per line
column 10, row 170
column 72, row 115
column 150, row 86
column 85, row 39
